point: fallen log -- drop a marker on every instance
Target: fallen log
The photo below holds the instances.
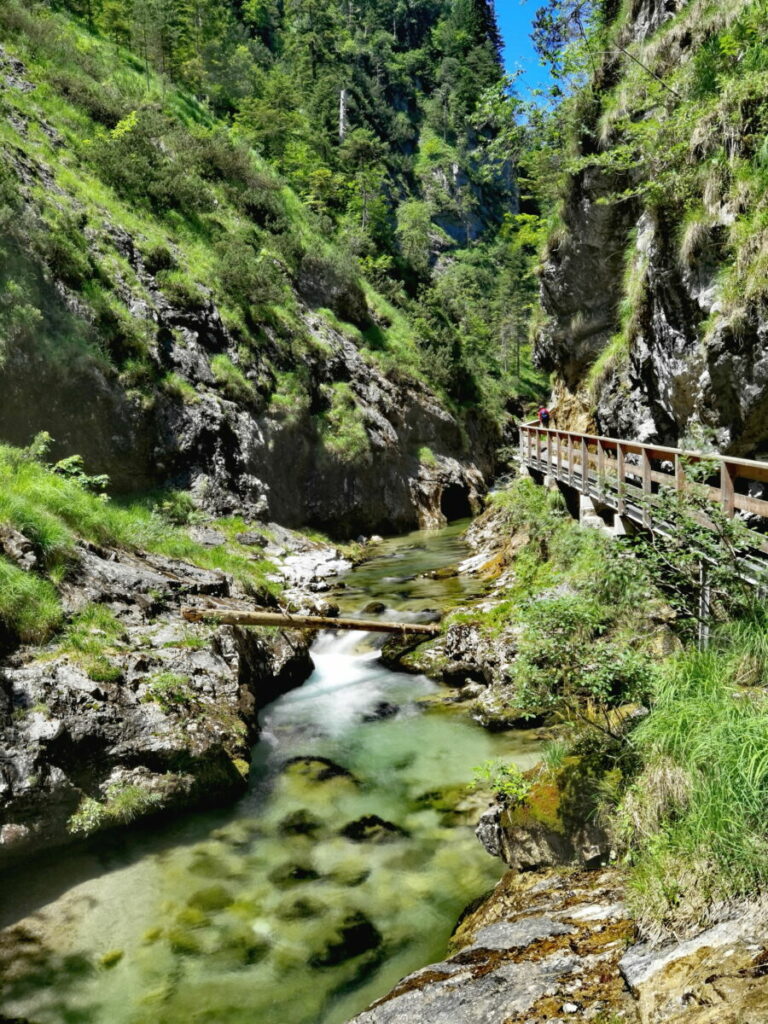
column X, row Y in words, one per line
column 229, row 617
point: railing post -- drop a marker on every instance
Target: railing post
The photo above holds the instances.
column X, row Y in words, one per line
column 620, row 472
column 727, row 489
column 570, row 459
column 600, row 466
column 559, row 454
column 538, row 448
column 679, row 476
column 647, row 484
column 584, row 467
column 549, row 452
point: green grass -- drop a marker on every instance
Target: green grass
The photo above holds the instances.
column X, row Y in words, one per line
column 231, row 379
column 694, row 820
column 54, row 512
column 29, row 604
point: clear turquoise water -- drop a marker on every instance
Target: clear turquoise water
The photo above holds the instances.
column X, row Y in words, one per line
column 229, row 917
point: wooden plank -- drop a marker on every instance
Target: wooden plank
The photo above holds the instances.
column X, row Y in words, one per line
column 645, row 465
column 727, row 490
column 229, row 617
column 584, row 466
column 621, row 482
column 679, row 475
column 755, row 506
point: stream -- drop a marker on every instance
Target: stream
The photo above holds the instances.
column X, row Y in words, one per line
column 343, row 868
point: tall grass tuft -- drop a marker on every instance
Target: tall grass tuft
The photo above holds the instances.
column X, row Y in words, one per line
column 704, row 791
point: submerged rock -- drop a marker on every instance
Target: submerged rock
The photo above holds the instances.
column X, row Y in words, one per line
column 372, row 829
column 300, row 823
column 317, row 769
column 382, row 710
column 355, row 935
column 287, row 875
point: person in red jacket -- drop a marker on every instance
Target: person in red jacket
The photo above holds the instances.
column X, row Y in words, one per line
column 544, row 417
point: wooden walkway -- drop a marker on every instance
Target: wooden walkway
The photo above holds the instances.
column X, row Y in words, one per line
column 623, row 476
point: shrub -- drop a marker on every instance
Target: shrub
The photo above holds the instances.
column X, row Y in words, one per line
column 231, row 379
column 342, row 427
column 171, row 691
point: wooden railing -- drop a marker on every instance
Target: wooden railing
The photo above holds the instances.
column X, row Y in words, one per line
column 625, row 475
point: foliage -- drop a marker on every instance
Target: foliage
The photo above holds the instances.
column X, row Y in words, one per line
column 231, row 379
column 693, row 822
column 179, row 126
column 342, row 426
column 123, row 803
column 692, row 535
column 171, row 691
column 506, row 780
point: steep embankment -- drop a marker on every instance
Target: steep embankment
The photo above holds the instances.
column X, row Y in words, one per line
column 653, row 280
column 177, row 314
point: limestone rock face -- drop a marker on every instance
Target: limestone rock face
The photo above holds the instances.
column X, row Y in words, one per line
column 667, row 376
column 718, row 976
column 163, row 720
column 542, row 948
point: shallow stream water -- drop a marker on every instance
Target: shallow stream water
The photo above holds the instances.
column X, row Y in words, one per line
column 286, row 908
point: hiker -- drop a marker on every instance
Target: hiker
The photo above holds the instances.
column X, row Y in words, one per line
column 544, row 417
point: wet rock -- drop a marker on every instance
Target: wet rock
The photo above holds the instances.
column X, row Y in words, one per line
column 355, row 935
column 300, row 823
column 372, row 829
column 718, row 975
column 381, row 711
column 287, row 875
column 519, row 957
column 317, row 769
column 374, row 608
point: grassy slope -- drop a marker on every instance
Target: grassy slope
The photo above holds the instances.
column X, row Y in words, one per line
column 54, row 512
column 684, row 792
column 78, row 124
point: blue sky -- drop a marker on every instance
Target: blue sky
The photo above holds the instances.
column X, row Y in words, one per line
column 515, row 17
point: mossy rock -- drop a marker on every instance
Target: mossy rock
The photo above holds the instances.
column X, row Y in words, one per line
column 372, row 829
column 300, row 823
column 286, row 875
column 540, row 807
column 354, row 936
column 209, row 900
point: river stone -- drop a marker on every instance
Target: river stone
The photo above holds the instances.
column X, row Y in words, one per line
column 374, row 608
column 215, row 897
column 252, row 540
column 372, row 829
column 299, row 823
column 317, row 769
column 355, row 935
column 382, row 710
column 286, row 875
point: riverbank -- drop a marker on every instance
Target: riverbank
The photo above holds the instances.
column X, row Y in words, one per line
column 659, row 774
column 342, row 867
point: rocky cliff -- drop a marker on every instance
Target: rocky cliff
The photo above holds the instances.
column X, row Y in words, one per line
column 652, row 282
column 206, row 337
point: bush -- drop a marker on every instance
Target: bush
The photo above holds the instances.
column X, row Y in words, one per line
column 693, row 823
column 232, row 380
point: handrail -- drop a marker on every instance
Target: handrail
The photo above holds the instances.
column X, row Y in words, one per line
column 621, row 473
